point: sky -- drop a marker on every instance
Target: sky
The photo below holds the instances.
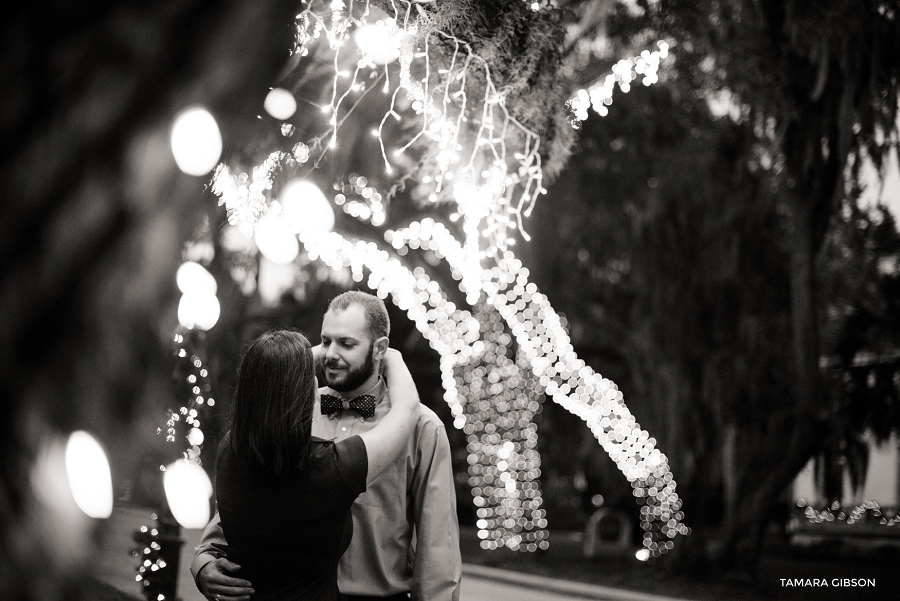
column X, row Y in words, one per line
column 888, row 191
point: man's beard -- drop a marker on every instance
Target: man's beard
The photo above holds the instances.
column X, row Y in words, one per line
column 354, row 377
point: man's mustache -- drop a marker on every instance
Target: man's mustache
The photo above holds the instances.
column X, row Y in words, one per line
column 333, row 364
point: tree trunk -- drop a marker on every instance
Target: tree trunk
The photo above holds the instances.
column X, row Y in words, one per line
column 820, row 174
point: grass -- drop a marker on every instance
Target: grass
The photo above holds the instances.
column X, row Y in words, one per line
column 564, row 559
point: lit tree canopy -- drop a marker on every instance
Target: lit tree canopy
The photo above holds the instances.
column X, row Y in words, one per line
column 468, row 111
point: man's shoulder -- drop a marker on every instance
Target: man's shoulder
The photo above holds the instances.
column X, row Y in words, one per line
column 428, row 418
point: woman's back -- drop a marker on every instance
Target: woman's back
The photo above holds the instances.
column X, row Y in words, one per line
column 285, row 498
column 289, row 532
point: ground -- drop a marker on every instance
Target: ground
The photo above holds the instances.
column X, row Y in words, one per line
column 564, row 559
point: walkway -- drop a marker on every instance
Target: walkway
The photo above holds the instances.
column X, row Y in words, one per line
column 117, row 568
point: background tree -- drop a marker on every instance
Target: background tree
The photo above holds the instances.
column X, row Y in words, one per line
column 711, row 262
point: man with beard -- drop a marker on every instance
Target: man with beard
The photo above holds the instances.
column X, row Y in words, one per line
column 405, row 535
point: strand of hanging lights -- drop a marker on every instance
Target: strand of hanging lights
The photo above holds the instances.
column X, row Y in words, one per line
column 498, row 360
column 599, row 94
column 187, row 486
column 867, row 513
column 477, row 154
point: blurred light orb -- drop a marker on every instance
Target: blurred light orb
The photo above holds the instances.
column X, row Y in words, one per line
column 198, row 309
column 201, row 251
column 196, row 141
column 374, row 40
column 188, row 490
column 276, row 241
column 305, row 208
column 89, row 476
column 234, row 240
column 273, row 280
column 193, row 276
column 642, row 554
column 195, row 437
column 280, row 104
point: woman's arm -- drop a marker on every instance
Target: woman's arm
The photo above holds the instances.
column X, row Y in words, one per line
column 385, row 441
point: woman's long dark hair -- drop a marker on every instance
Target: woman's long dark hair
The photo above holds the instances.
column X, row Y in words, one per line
column 271, row 418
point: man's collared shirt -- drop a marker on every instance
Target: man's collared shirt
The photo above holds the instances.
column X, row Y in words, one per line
column 405, row 531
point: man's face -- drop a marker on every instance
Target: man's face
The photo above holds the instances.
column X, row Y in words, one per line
column 349, row 350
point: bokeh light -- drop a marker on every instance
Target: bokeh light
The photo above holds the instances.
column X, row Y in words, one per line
column 305, row 208
column 280, row 104
column 198, row 308
column 494, row 396
column 196, row 141
column 376, row 41
column 90, row 480
column 599, row 94
column 195, row 437
column 193, row 276
column 276, row 240
column 188, row 490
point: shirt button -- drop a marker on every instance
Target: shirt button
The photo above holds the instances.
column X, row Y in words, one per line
column 344, row 429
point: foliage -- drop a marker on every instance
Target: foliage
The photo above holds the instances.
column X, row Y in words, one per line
column 521, row 49
column 861, row 285
column 831, row 67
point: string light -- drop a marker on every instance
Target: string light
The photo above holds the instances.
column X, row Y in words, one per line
column 188, row 490
column 197, row 397
column 489, row 164
column 150, row 553
column 599, row 94
column 244, row 196
column 87, row 468
column 188, row 498
column 280, row 103
column 360, row 200
column 868, row 512
column 493, row 397
column 196, row 141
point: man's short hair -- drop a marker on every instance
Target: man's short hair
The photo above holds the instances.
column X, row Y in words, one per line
column 378, row 323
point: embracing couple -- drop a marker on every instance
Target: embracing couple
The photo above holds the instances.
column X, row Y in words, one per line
column 343, row 492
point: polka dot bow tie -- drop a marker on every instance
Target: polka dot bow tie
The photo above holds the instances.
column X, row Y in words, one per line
column 364, row 405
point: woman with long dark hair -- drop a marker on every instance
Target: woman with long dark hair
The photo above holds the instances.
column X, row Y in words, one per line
column 284, row 496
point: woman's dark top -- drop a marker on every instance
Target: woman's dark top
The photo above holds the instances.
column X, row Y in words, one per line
column 288, row 533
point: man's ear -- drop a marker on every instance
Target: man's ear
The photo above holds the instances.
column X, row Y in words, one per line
column 380, row 347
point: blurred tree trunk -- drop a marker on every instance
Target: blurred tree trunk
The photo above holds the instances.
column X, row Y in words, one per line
column 93, row 221
column 817, row 140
